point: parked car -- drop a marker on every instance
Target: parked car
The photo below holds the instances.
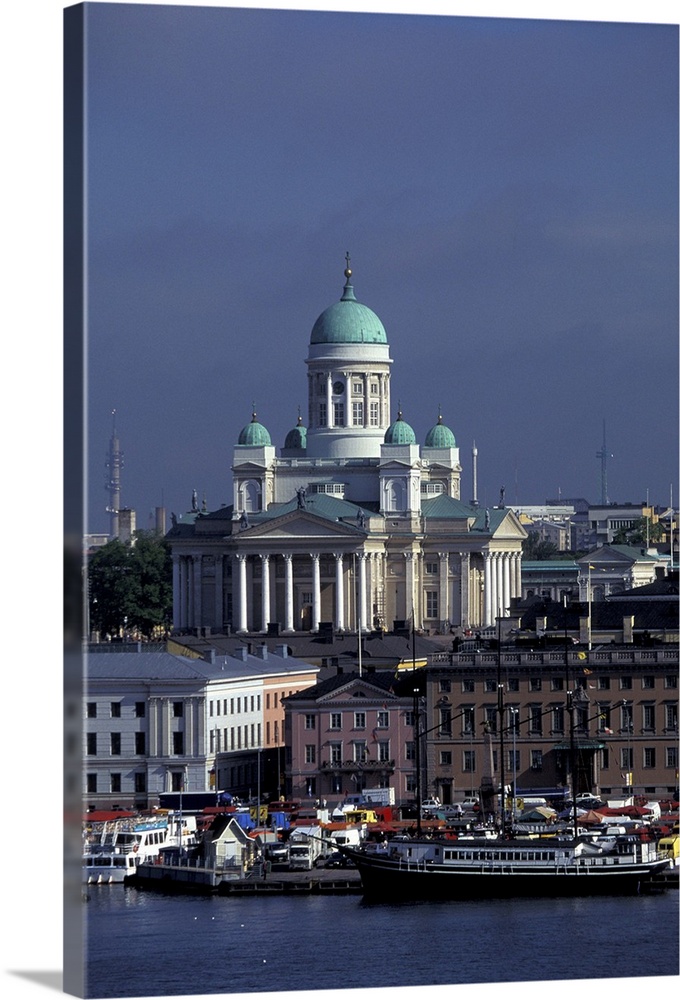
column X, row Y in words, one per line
column 338, row 860
column 469, row 805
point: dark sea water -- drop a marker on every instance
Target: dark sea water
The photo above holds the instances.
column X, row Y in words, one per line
column 146, row 944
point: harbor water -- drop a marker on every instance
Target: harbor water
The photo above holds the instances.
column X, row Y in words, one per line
column 147, row 944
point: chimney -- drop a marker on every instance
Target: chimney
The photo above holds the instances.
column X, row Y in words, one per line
column 263, row 651
column 628, row 624
column 209, row 656
column 282, row 650
column 242, row 653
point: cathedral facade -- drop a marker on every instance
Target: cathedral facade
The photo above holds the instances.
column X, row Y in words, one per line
column 351, row 525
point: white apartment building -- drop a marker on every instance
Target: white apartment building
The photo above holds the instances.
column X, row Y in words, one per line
column 158, row 722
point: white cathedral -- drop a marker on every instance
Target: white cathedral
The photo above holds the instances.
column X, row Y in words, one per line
column 352, row 525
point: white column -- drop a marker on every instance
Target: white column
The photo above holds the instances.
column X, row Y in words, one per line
column 176, row 593
column 339, row 595
column 316, row 592
column 288, row 559
column 488, row 588
column 409, row 602
column 518, row 574
column 444, row 612
column 362, row 591
column 266, row 602
column 329, row 400
column 197, row 563
column 506, row 583
column 498, row 574
column 464, row 589
column 219, row 592
column 242, row 594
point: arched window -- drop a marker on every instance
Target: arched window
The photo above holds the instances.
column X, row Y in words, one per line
column 251, row 492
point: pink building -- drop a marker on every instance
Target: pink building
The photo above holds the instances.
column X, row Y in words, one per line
column 351, row 732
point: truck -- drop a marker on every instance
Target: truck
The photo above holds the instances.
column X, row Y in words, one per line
column 306, row 846
column 379, row 796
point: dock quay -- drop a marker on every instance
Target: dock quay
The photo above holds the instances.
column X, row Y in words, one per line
column 206, row 881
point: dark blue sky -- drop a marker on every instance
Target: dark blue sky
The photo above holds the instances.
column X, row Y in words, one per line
column 507, row 190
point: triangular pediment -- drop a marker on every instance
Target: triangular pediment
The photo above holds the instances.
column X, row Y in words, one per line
column 302, row 523
column 359, row 692
column 509, row 526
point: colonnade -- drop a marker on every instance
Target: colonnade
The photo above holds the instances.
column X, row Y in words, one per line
column 502, row 581
column 199, row 579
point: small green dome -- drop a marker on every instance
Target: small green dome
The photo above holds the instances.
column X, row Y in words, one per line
column 400, row 432
column 348, row 321
column 254, row 434
column 440, row 436
column 297, row 438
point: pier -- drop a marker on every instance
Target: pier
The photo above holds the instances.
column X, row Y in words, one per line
column 195, row 880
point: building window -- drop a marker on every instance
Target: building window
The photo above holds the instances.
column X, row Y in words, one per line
column 409, row 718
column 467, row 686
column 432, row 604
column 335, row 753
column 445, row 686
column 140, row 709
column 445, row 757
column 310, row 753
column 671, row 757
column 536, row 760
column 360, row 751
column 411, row 783
column 115, row 782
column 336, row 720
column 383, row 720
column 604, row 759
column 115, row 744
column 648, row 682
column 339, row 414
column 323, row 415
column 358, row 413
column 489, row 686
column 627, row 758
column 115, row 710
column 310, row 721
column 671, row 717
column 557, row 718
column 490, row 715
column 357, row 388
column 670, row 681
column 178, row 709
column 359, row 720
column 627, row 717
column 373, row 414
column 603, row 683
column 432, row 568
column 535, row 720
column 556, row 684
column 513, row 684
column 140, row 744
column 140, row 782
column 178, row 743
column 91, row 744
column 92, row 784
column 649, row 757
column 514, row 761
column 648, row 717
column 604, row 719
column 92, row 709
column 410, row 750
column 468, row 760
column 445, row 720
column 625, row 683
column 383, row 750
column 468, row 720
column 535, row 684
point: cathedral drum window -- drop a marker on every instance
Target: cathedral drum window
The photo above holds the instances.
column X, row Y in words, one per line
column 338, row 388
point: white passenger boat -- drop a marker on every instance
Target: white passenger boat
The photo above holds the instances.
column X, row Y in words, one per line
column 113, row 852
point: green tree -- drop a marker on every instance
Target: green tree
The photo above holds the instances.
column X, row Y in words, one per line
column 536, row 548
column 636, row 534
column 130, row 586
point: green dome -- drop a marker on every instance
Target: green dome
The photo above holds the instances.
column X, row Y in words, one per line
column 254, row 434
column 440, row 436
column 297, row 438
column 348, row 321
column 400, row 432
